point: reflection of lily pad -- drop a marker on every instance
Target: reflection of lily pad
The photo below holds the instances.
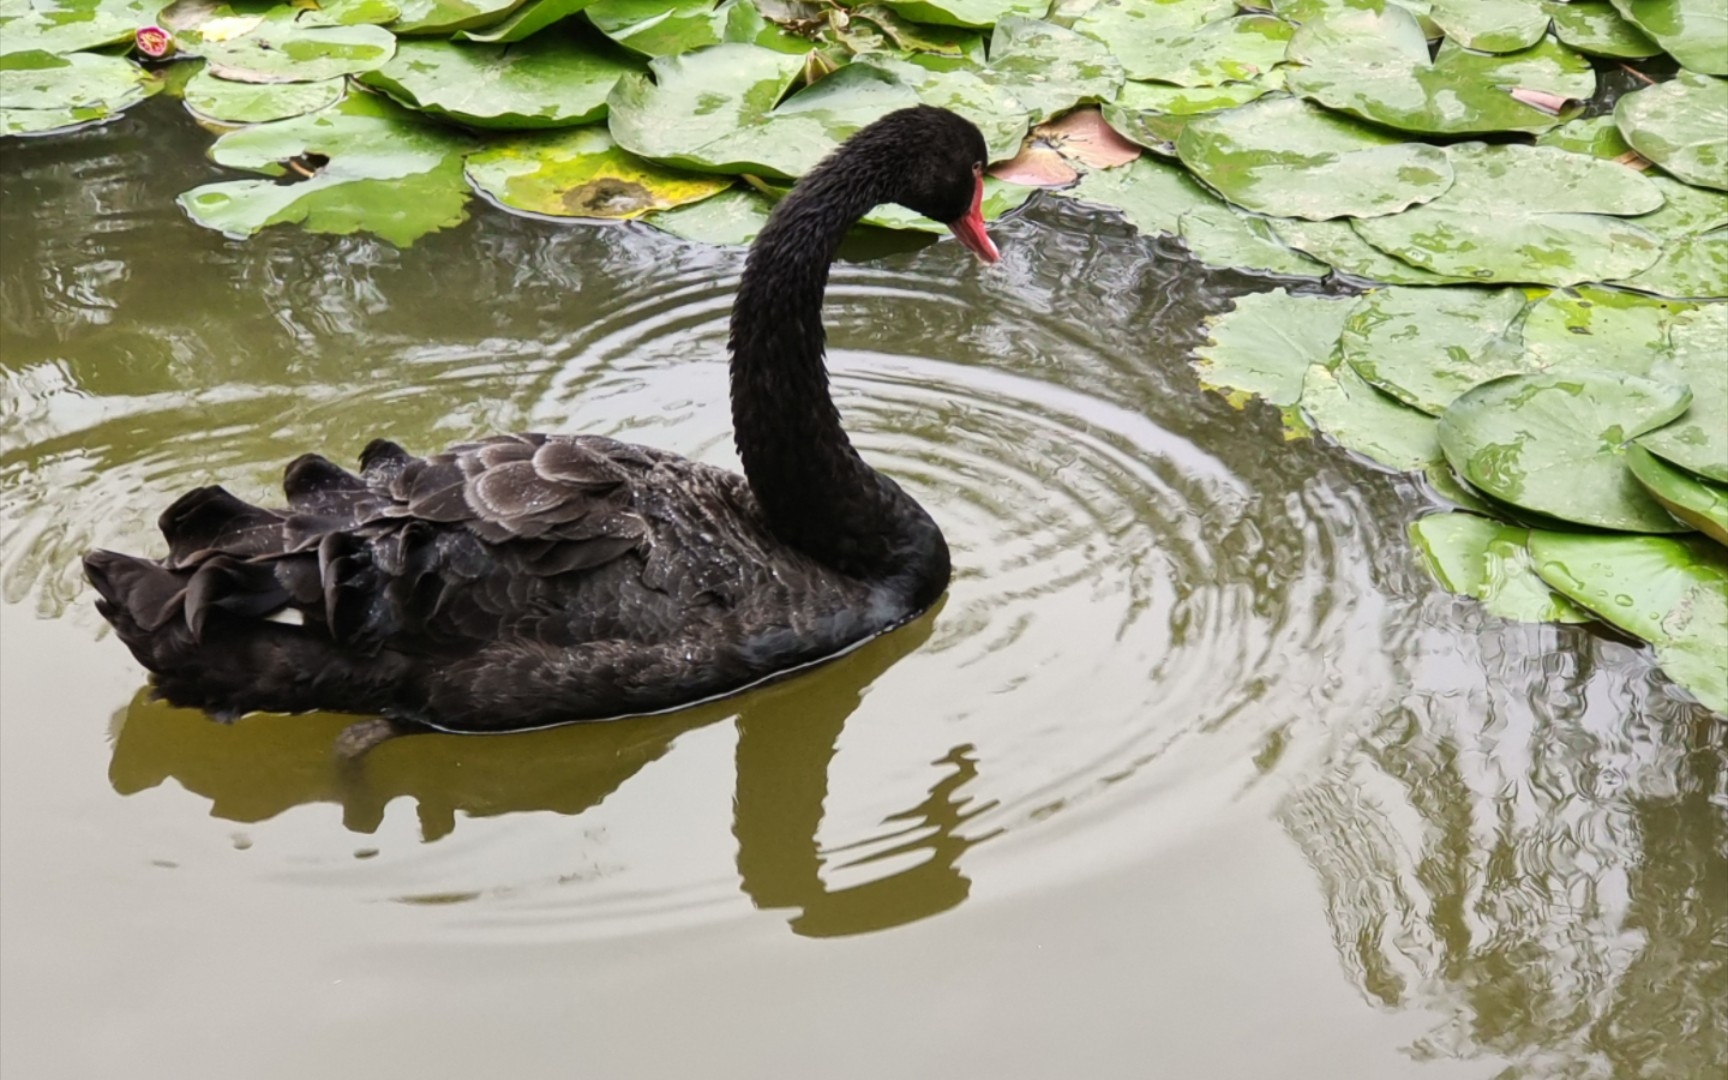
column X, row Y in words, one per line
column 389, row 172
column 256, row 103
column 1699, row 440
column 1555, row 444
column 1671, row 592
column 1473, row 556
column 1681, row 125
column 1694, row 31
column 1526, row 214
column 41, row 92
column 581, row 173
column 1697, row 502
column 732, row 217
column 1593, row 26
column 551, row 80
column 1375, row 65
column 1427, row 346
column 1496, row 26
column 1285, row 156
column 1264, row 346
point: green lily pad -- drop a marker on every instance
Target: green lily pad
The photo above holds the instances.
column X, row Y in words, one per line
column 1000, row 198
column 1698, row 441
column 1555, row 444
column 255, row 103
column 732, row 218
column 1135, row 31
column 1597, row 136
column 1221, row 236
column 526, row 21
column 1337, row 244
column 260, row 42
column 1426, row 346
column 41, row 92
column 1594, row 27
column 1375, row 66
column 1692, row 266
column 1685, row 210
column 1229, row 50
column 581, row 173
column 1049, row 68
column 1264, row 346
column 714, row 110
column 1000, row 117
column 1360, row 418
column 1589, row 328
column 1153, row 195
column 549, row 81
column 1526, row 214
column 1695, row 32
column 444, row 17
column 67, row 26
column 1307, row 11
column 671, row 27
column 1671, row 592
column 1681, row 125
column 1496, row 26
column 389, row 172
column 1695, row 501
column 1288, row 157
column 1189, row 100
column 1473, row 556
column 967, row 13
column 913, row 37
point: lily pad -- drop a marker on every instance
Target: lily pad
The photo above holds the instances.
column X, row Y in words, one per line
column 581, row 173
column 732, row 217
column 388, row 172
column 1594, row 27
column 1473, row 556
column 1135, row 31
column 1218, row 235
column 1000, row 116
column 67, row 26
column 714, row 110
column 1589, row 328
column 1695, row 32
column 1049, row 68
column 671, row 27
column 1692, row 266
column 1555, row 444
column 444, row 17
column 255, row 103
column 1681, row 125
column 1337, row 244
column 1496, row 26
column 266, row 43
column 1695, row 501
column 1426, row 346
column 1597, row 136
column 1151, row 194
column 1264, row 346
column 967, row 13
column 1671, row 592
column 1360, row 418
column 526, row 21
column 1288, row 157
column 41, row 92
column 1375, row 65
column 552, row 80
column 1188, row 100
column 1526, row 214
column 999, row 198
column 1698, row 441
column 913, row 37
column 1229, row 50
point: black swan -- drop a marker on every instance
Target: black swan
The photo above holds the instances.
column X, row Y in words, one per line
column 530, row 580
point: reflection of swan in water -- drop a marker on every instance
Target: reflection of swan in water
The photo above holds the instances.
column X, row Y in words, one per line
column 787, row 733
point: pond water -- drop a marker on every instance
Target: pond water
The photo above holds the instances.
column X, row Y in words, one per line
column 1192, row 773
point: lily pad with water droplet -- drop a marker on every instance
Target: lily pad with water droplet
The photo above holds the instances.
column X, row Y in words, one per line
column 445, row 17
column 1695, row 32
column 1427, row 346
column 967, row 13
column 672, row 27
column 1264, row 346
column 255, row 103
column 1697, row 441
column 1594, row 27
column 1555, row 443
column 1337, row 244
column 1590, row 328
column 1597, row 136
column 1000, row 116
column 1473, row 556
column 1671, row 592
column 67, row 26
column 1135, row 31
column 257, row 42
column 526, row 21
column 732, row 218
column 1153, row 195
column 1288, row 157
column 715, row 110
column 1693, row 500
column 582, row 173
column 552, row 80
column 41, row 92
column 1376, row 66
column 1526, row 214
column 1223, row 236
column 1495, row 26
column 389, row 172
column 1229, row 50
column 1681, row 125
column 1049, row 68
column 1360, row 418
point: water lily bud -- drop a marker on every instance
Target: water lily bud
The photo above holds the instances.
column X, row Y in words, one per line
column 155, row 42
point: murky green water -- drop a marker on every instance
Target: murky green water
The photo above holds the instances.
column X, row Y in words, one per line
column 1193, row 773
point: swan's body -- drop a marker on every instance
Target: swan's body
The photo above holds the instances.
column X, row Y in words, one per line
column 528, row 580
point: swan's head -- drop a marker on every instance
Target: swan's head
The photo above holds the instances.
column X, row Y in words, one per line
column 938, row 161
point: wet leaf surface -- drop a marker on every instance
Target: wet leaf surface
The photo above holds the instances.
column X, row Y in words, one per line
column 1360, row 418
column 1588, row 328
column 1474, row 556
column 1000, row 116
column 527, row 20
column 1496, row 26
column 1264, row 346
column 1693, row 500
column 552, row 80
column 254, row 103
column 660, row 28
column 41, row 92
column 1336, row 243
column 967, row 13
column 66, row 26
column 1049, row 68
column 259, row 42
column 732, row 217
column 1221, row 236
column 1682, row 126
column 1694, row 31
column 1593, row 26
column 1426, row 346
column 582, row 173
column 1697, row 441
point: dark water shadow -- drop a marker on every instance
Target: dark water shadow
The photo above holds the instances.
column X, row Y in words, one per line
column 788, row 732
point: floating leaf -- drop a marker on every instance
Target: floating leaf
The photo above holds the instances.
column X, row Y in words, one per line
column 1698, row 441
column 1496, row 26
column 526, row 21
column 1697, row 502
column 1692, row 266
column 1594, row 27
column 254, row 103
column 913, row 37
column 67, row 26
column 1229, row 50
column 1526, row 214
column 1375, row 65
column 1681, row 125
column 1151, row 194
column 1000, row 116
column 389, row 172
column 552, row 80
column 266, row 43
column 967, row 13
column 1051, row 69
column 1555, row 444
column 1473, row 556
column 671, row 27
column 1589, row 328
column 1083, row 136
column 1360, row 418
column 1188, row 100
column 1427, row 346
column 1338, row 245
column 1264, row 346
column 1038, row 164
column 732, row 217
column 448, row 16
column 999, row 198
column 1136, row 32
column 1694, row 31
column 41, row 92
column 1672, row 593
column 1220, row 236
column 1597, row 136
column 714, row 110
column 581, row 173
column 1285, row 156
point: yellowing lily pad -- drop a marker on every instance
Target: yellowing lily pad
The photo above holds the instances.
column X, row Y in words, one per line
column 581, row 173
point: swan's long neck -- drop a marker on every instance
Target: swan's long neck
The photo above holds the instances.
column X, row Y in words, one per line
column 817, row 493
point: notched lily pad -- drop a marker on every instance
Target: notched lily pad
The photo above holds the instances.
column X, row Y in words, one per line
column 255, row 42
column 582, row 173
column 1695, row 32
column 1473, row 556
column 1681, row 125
column 1698, row 440
column 1264, row 346
column 1425, row 347
column 41, row 93
column 552, row 80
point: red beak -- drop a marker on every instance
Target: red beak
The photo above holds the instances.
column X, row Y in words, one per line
column 969, row 230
